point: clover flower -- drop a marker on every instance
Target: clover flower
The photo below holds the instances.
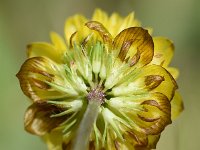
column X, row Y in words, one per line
column 108, row 85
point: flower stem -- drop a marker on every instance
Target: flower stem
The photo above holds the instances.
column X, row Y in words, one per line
column 81, row 141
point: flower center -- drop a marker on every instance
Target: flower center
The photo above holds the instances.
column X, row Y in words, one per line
column 96, row 94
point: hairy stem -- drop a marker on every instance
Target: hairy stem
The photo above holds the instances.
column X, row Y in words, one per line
column 81, row 141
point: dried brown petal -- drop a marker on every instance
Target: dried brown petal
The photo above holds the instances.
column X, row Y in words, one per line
column 103, row 32
column 38, row 118
column 34, row 74
column 132, row 42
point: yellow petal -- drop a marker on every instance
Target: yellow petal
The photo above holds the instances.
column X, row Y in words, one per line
column 150, row 30
column 173, row 71
column 176, row 105
column 45, row 50
column 58, row 42
column 100, row 16
column 134, row 44
column 163, row 51
column 53, row 140
column 126, row 23
column 73, row 24
column 114, row 23
column 35, row 77
column 37, row 118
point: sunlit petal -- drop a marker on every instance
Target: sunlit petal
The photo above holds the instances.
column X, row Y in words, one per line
column 177, row 106
column 163, row 51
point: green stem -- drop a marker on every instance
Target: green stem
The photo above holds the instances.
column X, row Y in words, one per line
column 81, row 141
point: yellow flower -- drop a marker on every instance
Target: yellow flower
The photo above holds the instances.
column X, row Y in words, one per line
column 107, row 86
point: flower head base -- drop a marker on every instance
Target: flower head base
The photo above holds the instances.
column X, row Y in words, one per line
column 96, row 95
column 111, row 61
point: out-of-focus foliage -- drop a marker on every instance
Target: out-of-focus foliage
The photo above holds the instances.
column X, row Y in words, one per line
column 24, row 21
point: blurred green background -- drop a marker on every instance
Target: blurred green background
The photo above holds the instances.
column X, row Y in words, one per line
column 25, row 21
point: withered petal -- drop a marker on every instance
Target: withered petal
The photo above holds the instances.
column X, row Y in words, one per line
column 33, row 76
column 132, row 42
column 147, row 113
column 152, row 81
column 103, row 32
column 152, row 142
column 160, row 105
column 38, row 118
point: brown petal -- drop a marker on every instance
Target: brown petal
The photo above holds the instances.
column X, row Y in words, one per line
column 67, row 146
column 152, row 142
column 132, row 42
column 33, row 76
column 148, row 113
column 103, row 32
column 152, row 81
column 157, row 114
column 38, row 118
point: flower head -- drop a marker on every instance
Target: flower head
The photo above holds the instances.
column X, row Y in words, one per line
column 108, row 60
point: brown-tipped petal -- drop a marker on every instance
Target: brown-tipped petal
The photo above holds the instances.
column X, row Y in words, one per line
column 132, row 42
column 163, row 51
column 136, row 138
column 42, row 49
column 156, row 114
column 71, row 40
column 150, row 78
column 38, row 118
column 148, row 113
column 152, row 142
column 34, row 75
column 103, row 32
column 176, row 105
